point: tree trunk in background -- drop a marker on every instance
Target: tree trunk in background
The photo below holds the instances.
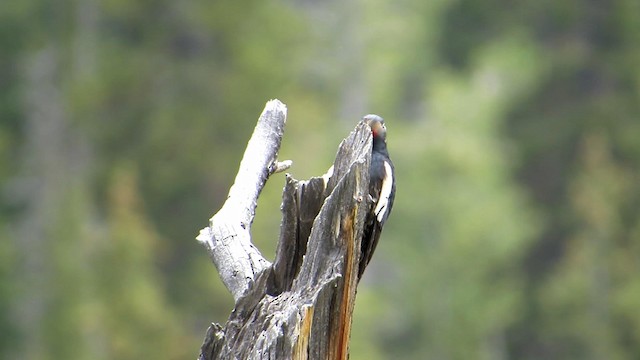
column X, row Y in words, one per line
column 56, row 161
column 300, row 306
column 45, row 124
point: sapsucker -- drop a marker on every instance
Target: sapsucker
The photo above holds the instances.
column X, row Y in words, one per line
column 382, row 189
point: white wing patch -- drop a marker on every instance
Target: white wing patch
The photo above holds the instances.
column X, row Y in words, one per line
column 385, row 192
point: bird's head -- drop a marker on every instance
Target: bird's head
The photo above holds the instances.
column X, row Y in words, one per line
column 376, row 123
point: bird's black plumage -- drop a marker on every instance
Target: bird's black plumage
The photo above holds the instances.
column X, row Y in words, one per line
column 382, row 189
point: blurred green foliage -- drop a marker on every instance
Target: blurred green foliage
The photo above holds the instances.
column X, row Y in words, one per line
column 513, row 126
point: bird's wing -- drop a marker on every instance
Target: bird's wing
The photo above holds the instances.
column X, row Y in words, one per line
column 387, row 193
column 369, row 243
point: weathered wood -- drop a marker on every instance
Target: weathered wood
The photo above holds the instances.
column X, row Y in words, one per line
column 301, row 202
column 301, row 306
column 228, row 237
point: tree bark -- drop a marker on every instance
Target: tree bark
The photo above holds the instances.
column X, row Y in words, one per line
column 299, row 307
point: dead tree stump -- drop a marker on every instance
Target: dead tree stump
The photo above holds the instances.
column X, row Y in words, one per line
column 299, row 307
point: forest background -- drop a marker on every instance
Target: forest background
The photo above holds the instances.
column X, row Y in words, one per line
column 513, row 126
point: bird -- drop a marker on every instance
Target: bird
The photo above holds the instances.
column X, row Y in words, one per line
column 382, row 190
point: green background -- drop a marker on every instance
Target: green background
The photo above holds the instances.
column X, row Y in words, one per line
column 513, row 126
